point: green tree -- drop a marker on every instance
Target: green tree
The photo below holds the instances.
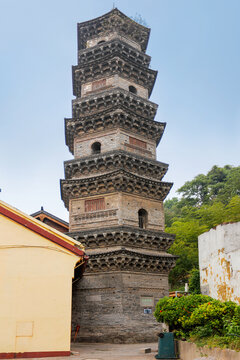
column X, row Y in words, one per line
column 186, row 247
column 205, row 202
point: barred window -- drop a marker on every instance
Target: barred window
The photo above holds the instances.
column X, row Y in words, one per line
column 94, row 205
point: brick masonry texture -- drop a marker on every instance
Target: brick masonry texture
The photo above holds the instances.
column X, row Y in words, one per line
column 113, row 140
column 115, row 81
column 108, row 307
column 126, row 212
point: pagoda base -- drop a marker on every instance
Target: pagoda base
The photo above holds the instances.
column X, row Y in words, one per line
column 117, row 307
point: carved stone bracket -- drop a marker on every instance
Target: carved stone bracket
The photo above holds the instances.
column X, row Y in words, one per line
column 109, row 67
column 114, row 160
column 113, row 99
column 113, row 48
column 124, row 236
column 127, row 260
column 120, row 180
column 113, row 119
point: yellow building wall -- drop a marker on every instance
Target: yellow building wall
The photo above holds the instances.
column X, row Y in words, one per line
column 35, row 291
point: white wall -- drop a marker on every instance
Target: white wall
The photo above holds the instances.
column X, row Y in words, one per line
column 219, row 262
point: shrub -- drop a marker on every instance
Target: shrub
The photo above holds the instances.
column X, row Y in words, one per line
column 176, row 311
column 199, row 316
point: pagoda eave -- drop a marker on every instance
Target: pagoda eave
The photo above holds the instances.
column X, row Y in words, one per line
column 110, row 66
column 113, row 98
column 112, row 21
column 113, row 47
column 124, row 259
column 124, row 236
column 116, row 181
column 114, row 160
column 115, row 118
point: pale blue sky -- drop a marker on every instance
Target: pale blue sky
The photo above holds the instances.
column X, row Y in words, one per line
column 194, row 45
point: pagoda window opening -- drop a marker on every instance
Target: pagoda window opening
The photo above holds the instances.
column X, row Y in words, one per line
column 96, row 148
column 132, row 89
column 142, row 218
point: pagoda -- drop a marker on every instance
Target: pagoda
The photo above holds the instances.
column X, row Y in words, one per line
column 113, row 187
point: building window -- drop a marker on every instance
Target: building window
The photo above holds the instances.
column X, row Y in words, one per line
column 142, row 218
column 94, row 205
column 138, row 143
column 96, row 148
column 132, row 89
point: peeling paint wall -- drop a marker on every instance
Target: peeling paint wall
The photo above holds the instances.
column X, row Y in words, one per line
column 219, row 262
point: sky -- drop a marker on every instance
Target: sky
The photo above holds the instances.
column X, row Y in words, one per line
column 194, row 45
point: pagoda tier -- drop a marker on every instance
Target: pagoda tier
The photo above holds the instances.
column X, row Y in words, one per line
column 124, row 259
column 124, row 236
column 115, row 181
column 114, row 160
column 109, row 67
column 112, row 24
column 111, row 99
column 116, row 118
column 115, row 47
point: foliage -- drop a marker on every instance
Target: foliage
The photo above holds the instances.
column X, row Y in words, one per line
column 206, row 201
column 199, row 316
column 194, row 281
column 219, row 183
column 185, row 246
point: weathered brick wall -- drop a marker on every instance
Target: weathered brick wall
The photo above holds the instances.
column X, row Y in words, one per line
column 111, row 36
column 116, row 298
column 120, row 209
column 113, row 81
column 113, row 140
column 130, row 205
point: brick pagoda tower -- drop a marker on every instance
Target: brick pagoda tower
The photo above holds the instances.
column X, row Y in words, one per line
column 113, row 187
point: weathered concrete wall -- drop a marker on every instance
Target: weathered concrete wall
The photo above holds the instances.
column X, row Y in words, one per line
column 219, row 254
column 190, row 351
column 118, row 299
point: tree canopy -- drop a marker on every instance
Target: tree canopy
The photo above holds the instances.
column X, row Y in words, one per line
column 205, row 202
